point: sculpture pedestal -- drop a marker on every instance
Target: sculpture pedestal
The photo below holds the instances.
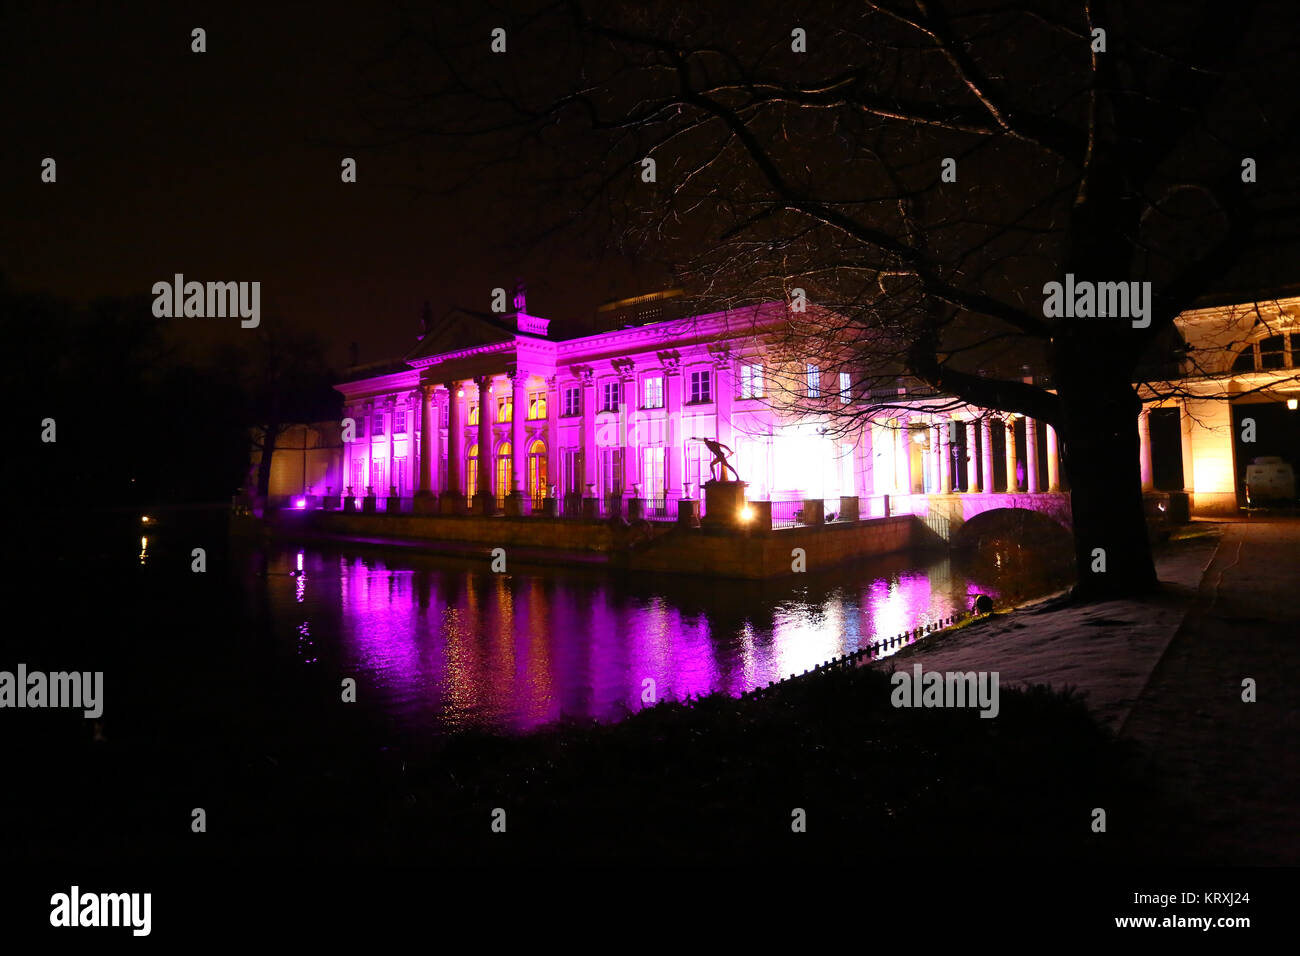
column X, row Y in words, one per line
column 724, row 502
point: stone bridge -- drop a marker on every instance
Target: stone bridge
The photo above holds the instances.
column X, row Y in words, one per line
column 961, row 518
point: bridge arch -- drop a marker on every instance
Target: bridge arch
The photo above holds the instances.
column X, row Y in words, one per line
column 1024, row 525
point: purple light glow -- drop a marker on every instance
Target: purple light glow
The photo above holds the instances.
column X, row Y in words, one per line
column 443, row 647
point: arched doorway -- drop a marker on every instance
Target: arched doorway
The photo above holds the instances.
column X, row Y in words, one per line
column 537, row 471
column 504, row 482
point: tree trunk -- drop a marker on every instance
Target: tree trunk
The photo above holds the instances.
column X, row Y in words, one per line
column 1100, row 454
column 269, row 439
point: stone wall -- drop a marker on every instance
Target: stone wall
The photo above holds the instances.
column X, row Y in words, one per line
column 555, row 534
column 643, row 547
column 768, row 554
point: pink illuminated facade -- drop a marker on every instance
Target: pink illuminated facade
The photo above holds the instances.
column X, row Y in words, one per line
column 487, row 405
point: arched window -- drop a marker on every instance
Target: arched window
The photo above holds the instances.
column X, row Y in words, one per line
column 471, row 471
column 504, row 483
column 1267, row 353
column 537, row 470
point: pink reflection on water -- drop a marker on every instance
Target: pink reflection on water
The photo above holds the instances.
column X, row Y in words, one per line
column 441, row 647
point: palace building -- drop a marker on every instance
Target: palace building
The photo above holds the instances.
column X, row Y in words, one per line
column 487, row 405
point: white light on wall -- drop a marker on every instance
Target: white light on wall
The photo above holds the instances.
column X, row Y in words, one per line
column 1291, row 403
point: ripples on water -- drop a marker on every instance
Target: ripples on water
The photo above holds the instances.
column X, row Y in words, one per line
column 434, row 645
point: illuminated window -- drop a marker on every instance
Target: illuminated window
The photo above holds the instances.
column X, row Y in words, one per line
column 505, row 408
column 537, row 470
column 1272, row 352
column 572, row 402
column 610, row 476
column 609, row 397
column 377, row 423
column 1268, row 353
column 536, row 405
column 652, row 473
column 751, row 381
column 701, row 387
column 473, row 413
column 654, row 392
column 814, row 377
column 505, row 479
column 399, row 422
column 846, row 385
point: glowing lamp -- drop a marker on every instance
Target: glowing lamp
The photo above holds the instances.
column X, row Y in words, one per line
column 300, row 504
column 746, row 513
column 1291, row 403
column 919, row 438
column 144, row 519
column 460, row 393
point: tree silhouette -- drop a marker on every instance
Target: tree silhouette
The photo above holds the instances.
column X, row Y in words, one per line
column 920, row 170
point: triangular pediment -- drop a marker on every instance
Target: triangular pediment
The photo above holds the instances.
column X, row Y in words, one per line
column 461, row 329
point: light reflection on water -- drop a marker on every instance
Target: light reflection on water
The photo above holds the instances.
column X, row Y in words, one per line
column 434, row 645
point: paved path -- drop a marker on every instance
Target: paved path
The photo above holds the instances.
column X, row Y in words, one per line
column 1238, row 764
column 1166, row 673
column 1106, row 651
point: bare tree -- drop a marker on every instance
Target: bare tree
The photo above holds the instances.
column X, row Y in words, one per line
column 283, row 379
column 919, row 170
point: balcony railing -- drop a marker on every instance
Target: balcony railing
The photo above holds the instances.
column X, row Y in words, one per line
column 786, row 512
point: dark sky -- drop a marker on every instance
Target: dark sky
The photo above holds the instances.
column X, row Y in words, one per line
column 225, row 166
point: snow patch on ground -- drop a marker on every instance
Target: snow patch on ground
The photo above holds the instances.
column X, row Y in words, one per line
column 1106, row 651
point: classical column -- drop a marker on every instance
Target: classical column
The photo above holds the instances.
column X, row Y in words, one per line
column 627, row 437
column 673, row 450
column 370, row 448
column 1012, row 484
column 455, row 440
column 552, row 433
column 485, row 457
column 1031, row 455
column 518, row 415
column 439, row 399
column 722, row 401
column 1144, row 450
column 972, row 462
column 346, row 477
column 1185, row 432
column 903, row 452
column 945, row 458
column 1053, row 462
column 932, row 461
column 392, row 444
column 986, row 454
column 588, row 383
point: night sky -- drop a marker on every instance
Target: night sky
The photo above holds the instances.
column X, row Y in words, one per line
column 225, row 166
